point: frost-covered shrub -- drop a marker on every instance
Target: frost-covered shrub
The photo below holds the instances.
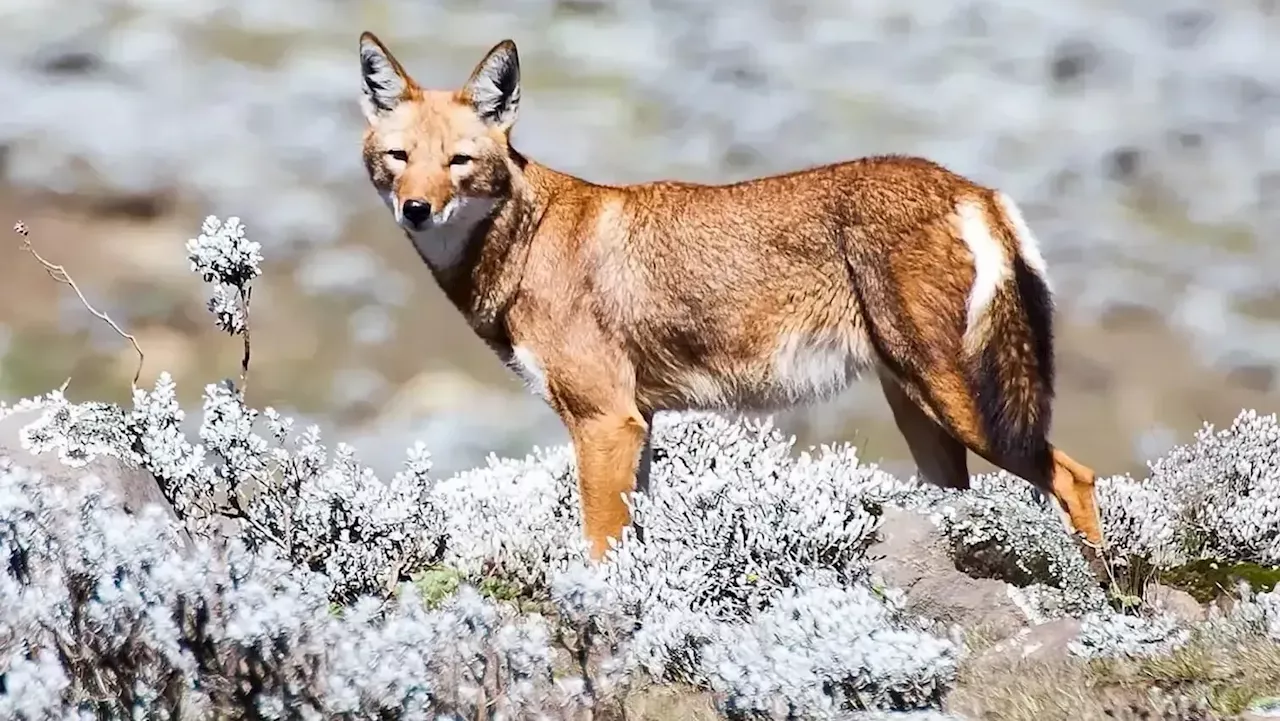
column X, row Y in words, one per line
column 1140, row 521
column 751, row 573
column 1003, row 528
column 77, row 432
column 319, row 509
column 1226, row 487
column 823, row 647
column 1252, row 614
column 733, row 518
column 733, row 526
column 740, row 574
column 1216, row 499
column 1269, row 602
column 514, row 518
column 1112, row 635
column 101, row 611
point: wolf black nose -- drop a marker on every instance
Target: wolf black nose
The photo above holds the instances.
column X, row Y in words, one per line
column 416, row 211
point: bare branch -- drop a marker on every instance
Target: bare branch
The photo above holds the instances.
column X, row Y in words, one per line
column 245, row 294
column 59, row 274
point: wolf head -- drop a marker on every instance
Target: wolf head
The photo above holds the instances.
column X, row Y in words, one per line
column 440, row 159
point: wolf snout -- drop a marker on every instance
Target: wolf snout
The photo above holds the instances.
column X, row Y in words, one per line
column 416, row 211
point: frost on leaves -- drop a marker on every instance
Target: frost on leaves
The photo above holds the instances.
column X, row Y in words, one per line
column 222, row 256
column 751, row 579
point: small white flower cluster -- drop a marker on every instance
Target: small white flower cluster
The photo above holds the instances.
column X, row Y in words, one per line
column 223, row 257
column 78, row 432
column 1117, row 635
column 1217, row 498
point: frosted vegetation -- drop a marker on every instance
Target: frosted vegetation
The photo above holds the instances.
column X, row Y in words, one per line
column 1138, row 135
column 294, row 581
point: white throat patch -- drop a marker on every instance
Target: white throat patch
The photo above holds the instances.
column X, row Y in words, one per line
column 443, row 243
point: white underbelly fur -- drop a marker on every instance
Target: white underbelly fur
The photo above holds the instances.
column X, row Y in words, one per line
column 810, row 367
column 803, row 368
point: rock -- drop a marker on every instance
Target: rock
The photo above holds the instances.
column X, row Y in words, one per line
column 1178, row 603
column 1262, row 708
column 1042, row 642
column 669, row 701
column 914, row 556
column 135, row 487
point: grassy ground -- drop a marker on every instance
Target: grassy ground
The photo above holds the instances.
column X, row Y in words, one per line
column 1207, row 678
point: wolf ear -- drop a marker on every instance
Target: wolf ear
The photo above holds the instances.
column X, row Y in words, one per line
column 385, row 81
column 494, row 87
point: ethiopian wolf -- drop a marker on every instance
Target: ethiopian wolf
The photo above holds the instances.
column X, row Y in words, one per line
column 615, row 302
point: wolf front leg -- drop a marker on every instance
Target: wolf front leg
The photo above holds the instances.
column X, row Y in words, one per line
column 608, row 446
column 590, row 382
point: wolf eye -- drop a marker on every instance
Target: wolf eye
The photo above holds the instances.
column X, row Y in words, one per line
column 460, row 159
column 399, row 155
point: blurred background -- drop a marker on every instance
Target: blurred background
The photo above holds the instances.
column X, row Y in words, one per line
column 1140, row 137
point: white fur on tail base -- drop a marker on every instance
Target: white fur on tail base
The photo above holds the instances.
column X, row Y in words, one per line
column 990, row 268
column 1028, row 246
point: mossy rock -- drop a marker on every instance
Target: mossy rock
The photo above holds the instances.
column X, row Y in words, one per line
column 1207, row 580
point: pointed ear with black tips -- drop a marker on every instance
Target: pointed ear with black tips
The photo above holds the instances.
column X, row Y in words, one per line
column 494, row 86
column 386, row 83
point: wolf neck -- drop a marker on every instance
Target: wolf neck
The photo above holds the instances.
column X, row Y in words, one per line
column 486, row 271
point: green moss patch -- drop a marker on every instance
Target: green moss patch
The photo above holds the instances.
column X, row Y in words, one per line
column 1207, row 580
column 437, row 583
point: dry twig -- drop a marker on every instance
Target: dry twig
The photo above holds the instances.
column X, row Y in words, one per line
column 60, row 275
column 245, row 294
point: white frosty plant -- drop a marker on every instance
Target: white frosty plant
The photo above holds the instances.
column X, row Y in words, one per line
column 102, row 612
column 750, row 579
column 229, row 261
column 736, row 529
column 1211, row 503
column 1114, row 635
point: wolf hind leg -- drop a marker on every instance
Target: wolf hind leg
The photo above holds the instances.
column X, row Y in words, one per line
column 939, row 457
column 941, row 393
